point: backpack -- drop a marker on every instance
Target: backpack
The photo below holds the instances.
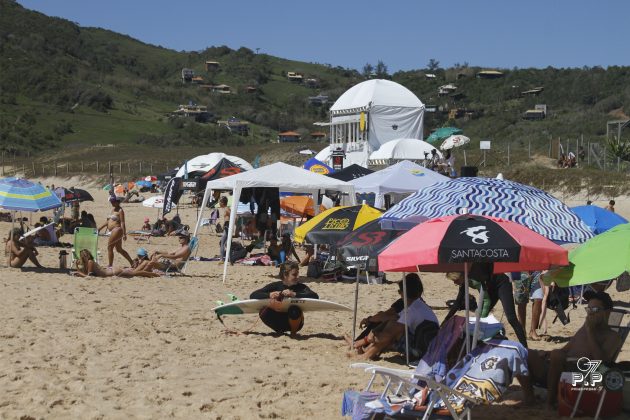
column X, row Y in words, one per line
column 237, row 252
column 314, row 269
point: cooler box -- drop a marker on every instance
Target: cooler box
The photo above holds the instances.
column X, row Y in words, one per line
column 567, row 396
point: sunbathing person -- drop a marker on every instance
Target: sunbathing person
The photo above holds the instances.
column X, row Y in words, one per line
column 87, row 267
column 392, row 328
column 594, row 340
column 116, row 225
column 162, row 261
column 18, row 252
column 289, row 287
column 142, row 261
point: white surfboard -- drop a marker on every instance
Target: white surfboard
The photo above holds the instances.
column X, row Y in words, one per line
column 253, row 306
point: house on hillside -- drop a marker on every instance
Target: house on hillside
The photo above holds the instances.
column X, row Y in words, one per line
column 311, row 83
column 235, row 126
column 430, row 76
column 318, row 136
column 197, row 112
column 187, row 75
column 223, row 89
column 534, row 92
column 445, row 90
column 288, row 137
column 212, row 65
column 318, row 100
column 251, row 89
column 295, row 77
column 489, row 74
column 197, row 80
column 538, row 113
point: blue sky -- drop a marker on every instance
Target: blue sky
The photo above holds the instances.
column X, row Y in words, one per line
column 404, row 34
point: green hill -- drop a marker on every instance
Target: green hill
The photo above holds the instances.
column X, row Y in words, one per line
column 66, row 88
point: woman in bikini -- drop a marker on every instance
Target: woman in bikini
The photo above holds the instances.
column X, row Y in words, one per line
column 17, row 252
column 90, row 268
column 118, row 232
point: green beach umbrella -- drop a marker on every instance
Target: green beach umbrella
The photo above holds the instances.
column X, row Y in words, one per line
column 604, row 257
column 443, row 133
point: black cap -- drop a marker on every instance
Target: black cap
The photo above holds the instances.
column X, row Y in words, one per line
column 601, row 296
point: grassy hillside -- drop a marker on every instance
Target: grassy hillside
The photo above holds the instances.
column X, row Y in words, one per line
column 65, row 89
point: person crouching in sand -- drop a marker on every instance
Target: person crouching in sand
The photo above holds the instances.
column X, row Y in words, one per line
column 288, row 287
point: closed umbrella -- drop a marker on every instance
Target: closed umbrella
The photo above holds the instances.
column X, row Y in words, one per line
column 599, row 220
column 333, row 224
column 451, row 243
column 505, row 199
column 604, row 257
column 456, row 140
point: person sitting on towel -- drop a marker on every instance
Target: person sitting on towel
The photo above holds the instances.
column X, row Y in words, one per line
column 594, row 340
column 392, row 325
column 289, row 287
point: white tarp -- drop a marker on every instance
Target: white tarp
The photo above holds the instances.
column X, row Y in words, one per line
column 206, row 162
column 403, row 177
column 399, row 149
column 278, row 175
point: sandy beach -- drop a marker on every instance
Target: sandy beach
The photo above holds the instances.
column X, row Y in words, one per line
column 152, row 348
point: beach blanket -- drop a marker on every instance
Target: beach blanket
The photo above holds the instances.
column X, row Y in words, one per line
column 259, row 259
column 486, row 372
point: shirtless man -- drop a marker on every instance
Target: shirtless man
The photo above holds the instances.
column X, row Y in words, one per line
column 118, row 232
column 18, row 252
column 594, row 340
column 163, row 260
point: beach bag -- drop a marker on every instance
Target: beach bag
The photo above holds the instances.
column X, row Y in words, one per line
column 559, row 301
column 423, row 335
column 237, row 252
column 314, row 270
column 218, row 228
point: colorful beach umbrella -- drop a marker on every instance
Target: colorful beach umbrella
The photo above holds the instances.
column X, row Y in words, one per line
column 452, row 243
column 455, row 140
column 523, row 204
column 599, row 220
column 442, row 133
column 333, row 224
column 23, row 195
column 605, row 257
column 73, row 194
column 362, row 246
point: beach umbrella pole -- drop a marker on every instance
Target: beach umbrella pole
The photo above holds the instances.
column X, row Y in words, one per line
column 478, row 316
column 467, row 306
column 406, row 328
column 356, row 305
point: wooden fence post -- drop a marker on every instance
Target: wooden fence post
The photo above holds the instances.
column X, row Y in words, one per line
column 55, row 168
column 81, row 166
column 97, row 166
column 128, row 167
column 109, row 168
column 33, row 162
column 67, row 167
column 140, row 167
column 120, row 167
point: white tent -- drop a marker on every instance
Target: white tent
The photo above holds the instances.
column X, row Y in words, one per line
column 402, row 178
column 373, row 112
column 279, row 175
column 206, row 162
column 402, row 149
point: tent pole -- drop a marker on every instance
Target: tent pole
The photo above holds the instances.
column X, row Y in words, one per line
column 467, row 306
column 200, row 213
column 406, row 325
column 356, row 305
column 477, row 317
column 236, row 195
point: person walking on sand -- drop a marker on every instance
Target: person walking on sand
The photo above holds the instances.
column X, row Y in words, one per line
column 115, row 224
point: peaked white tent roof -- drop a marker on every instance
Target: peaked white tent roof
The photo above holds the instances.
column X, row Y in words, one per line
column 376, row 92
column 412, row 149
column 403, row 177
column 279, row 175
column 209, row 161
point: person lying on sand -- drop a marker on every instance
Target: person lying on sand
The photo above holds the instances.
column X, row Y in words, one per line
column 18, row 252
column 594, row 340
column 162, row 261
column 87, row 267
column 392, row 328
column 288, row 287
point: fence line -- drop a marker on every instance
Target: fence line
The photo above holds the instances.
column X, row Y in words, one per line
column 28, row 168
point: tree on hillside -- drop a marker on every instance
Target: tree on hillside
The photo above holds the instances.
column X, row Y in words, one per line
column 381, row 70
column 368, row 69
column 433, row 64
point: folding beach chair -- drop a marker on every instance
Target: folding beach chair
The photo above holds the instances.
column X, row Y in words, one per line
column 84, row 238
column 430, row 377
column 181, row 269
column 616, row 323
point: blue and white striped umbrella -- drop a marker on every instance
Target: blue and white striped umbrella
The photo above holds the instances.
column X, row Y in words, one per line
column 22, row 195
column 508, row 200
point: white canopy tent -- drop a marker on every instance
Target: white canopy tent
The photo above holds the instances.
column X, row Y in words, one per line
column 206, row 162
column 403, row 177
column 278, row 175
column 402, row 149
column 370, row 114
